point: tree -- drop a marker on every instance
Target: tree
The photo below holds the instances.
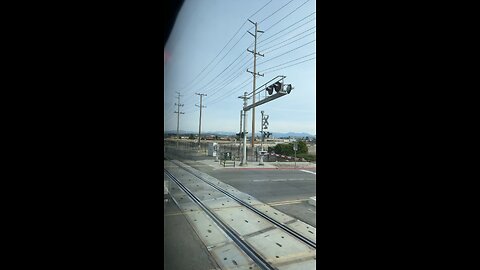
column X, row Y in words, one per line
column 287, row 149
column 191, row 137
column 302, row 148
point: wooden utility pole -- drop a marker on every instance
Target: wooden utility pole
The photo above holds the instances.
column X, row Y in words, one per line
column 200, row 121
column 254, row 76
column 178, row 112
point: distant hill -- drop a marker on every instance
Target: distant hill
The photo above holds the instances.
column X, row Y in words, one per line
column 292, row 134
column 227, row 133
column 224, row 133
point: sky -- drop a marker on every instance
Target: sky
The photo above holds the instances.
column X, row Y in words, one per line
column 207, row 53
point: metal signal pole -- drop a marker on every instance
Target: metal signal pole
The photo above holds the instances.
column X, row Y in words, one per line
column 200, row 121
column 254, row 76
column 244, row 158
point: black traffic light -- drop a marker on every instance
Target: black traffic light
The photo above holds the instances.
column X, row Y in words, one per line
column 241, row 135
column 288, row 88
column 270, row 90
column 277, row 86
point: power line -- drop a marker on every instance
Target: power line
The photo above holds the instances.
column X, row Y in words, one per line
column 223, row 48
column 219, row 62
column 192, row 111
column 231, row 78
column 231, row 74
column 286, row 16
column 260, row 9
column 305, row 44
column 218, row 86
column 228, row 77
column 274, row 14
column 263, row 40
column 290, row 61
column 217, row 90
column 218, row 76
column 276, row 11
column 290, row 38
column 231, row 91
column 293, row 64
column 220, row 89
column 189, row 84
column 288, row 43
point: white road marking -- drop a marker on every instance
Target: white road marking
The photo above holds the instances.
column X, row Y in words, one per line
column 279, row 180
column 309, row 172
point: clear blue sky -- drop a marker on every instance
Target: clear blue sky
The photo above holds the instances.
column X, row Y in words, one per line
column 204, row 27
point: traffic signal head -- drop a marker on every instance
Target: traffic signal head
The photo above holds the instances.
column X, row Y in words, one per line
column 288, row 88
column 277, row 86
column 270, row 90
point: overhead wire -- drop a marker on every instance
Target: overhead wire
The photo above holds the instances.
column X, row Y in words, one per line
column 230, row 73
column 274, row 24
column 276, row 11
column 216, row 87
column 263, row 40
column 231, row 91
column 189, row 84
column 219, row 62
column 267, row 69
column 269, row 51
column 266, row 49
column 217, row 90
column 260, row 9
column 293, row 64
column 305, row 44
column 218, row 76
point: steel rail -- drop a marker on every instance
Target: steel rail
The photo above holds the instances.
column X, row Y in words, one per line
column 250, row 251
column 255, row 210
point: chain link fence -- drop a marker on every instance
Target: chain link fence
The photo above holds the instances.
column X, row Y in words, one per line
column 192, row 150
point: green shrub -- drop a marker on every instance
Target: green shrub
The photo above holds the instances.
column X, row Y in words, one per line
column 287, row 149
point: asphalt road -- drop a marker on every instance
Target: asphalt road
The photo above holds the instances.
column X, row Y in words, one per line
column 286, row 190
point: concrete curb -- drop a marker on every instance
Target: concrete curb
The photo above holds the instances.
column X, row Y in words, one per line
column 267, row 165
column 313, row 201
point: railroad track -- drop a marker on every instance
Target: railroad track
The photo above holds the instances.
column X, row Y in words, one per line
column 248, row 248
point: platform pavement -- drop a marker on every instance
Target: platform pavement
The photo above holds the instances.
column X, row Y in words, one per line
column 255, row 165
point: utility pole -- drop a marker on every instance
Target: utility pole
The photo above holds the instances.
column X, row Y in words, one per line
column 254, row 76
column 240, row 132
column 200, row 122
column 178, row 112
column 244, row 158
